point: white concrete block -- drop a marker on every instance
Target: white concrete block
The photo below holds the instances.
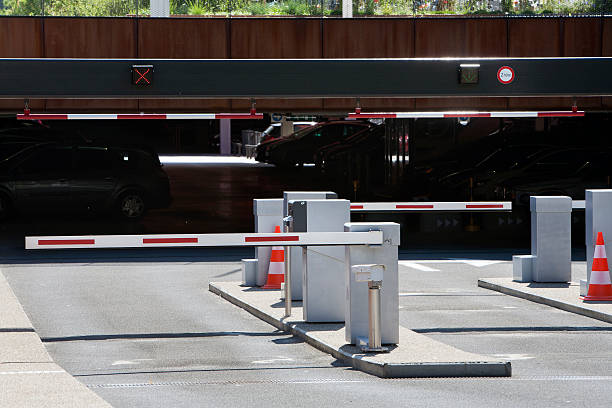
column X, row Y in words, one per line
column 522, row 268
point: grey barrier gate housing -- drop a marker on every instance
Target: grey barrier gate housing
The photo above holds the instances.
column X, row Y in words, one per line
column 357, row 312
column 296, row 253
column 323, row 284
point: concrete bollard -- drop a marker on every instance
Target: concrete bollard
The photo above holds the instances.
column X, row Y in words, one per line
column 551, row 238
column 268, row 214
column 598, row 218
column 323, row 280
column 296, row 253
column 522, row 268
column 357, row 324
column 249, row 272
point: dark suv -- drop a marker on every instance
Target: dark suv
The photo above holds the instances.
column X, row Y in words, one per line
column 50, row 177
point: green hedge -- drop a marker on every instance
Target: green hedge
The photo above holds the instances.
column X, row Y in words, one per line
column 305, row 7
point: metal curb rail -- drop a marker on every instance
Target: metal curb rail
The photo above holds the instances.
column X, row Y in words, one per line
column 205, row 240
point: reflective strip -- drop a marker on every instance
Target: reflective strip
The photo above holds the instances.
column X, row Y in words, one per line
column 600, row 278
column 84, row 116
column 406, row 206
column 66, row 241
column 277, row 255
column 514, row 114
column 239, row 116
column 271, row 239
column 140, row 116
column 484, row 206
column 600, row 264
column 600, row 251
column 190, row 116
column 49, row 116
column 469, row 115
column 557, row 114
column 169, row 240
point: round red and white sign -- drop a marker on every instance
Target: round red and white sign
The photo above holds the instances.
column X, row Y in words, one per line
column 505, row 75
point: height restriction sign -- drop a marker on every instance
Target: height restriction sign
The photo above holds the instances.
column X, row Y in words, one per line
column 505, row 75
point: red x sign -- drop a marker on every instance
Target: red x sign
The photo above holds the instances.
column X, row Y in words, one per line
column 142, row 75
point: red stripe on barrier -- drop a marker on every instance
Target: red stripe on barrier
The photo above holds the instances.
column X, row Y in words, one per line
column 467, row 115
column 556, row 114
column 373, row 115
column 270, row 239
column 239, row 116
column 54, row 116
column 484, row 206
column 169, row 240
column 356, row 207
column 145, row 116
column 66, row 241
column 414, row 206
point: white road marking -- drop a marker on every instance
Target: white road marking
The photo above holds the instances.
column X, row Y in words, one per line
column 271, row 361
column 416, row 266
column 479, row 263
column 514, row 356
column 131, row 362
column 31, row 372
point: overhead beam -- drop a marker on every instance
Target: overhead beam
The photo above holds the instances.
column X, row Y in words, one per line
column 306, row 78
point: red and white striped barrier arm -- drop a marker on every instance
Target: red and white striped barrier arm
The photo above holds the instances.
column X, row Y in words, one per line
column 206, row 240
column 111, row 116
column 510, row 114
column 433, row 206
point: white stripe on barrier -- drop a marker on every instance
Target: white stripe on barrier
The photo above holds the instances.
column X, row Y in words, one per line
column 190, row 116
column 205, row 240
column 433, row 206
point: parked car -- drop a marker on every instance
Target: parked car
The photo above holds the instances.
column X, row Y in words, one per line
column 545, row 171
column 274, row 130
column 299, row 147
column 369, row 139
column 51, row 177
column 356, row 166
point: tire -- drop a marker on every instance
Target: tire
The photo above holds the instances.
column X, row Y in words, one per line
column 131, row 206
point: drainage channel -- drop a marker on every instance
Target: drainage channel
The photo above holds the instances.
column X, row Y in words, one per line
column 341, row 381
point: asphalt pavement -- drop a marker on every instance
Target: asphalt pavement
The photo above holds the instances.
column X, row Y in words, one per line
column 150, row 334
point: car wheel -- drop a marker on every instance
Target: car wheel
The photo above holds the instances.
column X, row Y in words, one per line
column 5, row 206
column 131, row 205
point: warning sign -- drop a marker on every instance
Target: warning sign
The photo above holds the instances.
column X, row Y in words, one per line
column 505, row 75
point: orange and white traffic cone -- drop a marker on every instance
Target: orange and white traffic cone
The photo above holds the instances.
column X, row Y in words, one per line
column 600, row 287
column 276, row 271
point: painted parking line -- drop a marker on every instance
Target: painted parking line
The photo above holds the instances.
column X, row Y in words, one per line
column 32, row 372
column 417, row 266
